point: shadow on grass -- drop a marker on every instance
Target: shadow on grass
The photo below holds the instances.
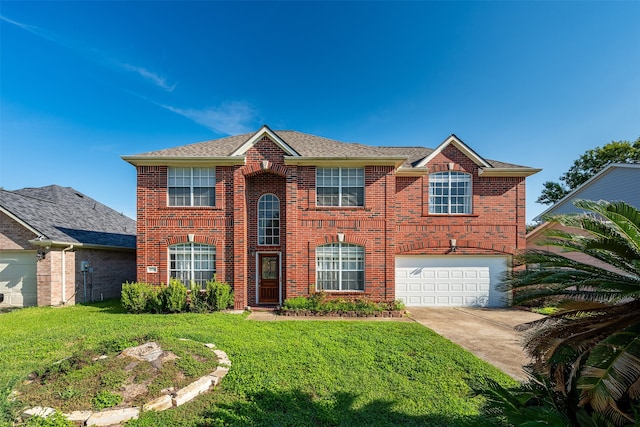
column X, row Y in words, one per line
column 299, row 409
column 296, row 408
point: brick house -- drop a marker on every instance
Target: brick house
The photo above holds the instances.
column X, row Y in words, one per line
column 59, row 246
column 279, row 214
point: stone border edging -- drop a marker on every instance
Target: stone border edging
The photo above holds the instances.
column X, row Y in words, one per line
column 109, row 417
column 311, row 313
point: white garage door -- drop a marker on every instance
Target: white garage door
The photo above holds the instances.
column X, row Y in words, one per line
column 453, row 281
column 18, row 279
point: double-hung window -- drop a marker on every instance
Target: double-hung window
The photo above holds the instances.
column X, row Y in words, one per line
column 340, row 187
column 450, row 193
column 340, row 267
column 268, row 220
column 192, row 263
column 192, row 186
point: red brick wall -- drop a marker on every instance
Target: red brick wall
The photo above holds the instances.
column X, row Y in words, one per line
column 496, row 224
column 395, row 219
column 13, row 235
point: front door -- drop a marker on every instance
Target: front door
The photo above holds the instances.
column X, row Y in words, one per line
column 268, row 278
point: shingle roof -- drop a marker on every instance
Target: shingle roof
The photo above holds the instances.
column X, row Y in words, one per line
column 305, row 145
column 66, row 215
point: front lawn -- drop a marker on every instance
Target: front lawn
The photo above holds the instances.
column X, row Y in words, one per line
column 291, row 373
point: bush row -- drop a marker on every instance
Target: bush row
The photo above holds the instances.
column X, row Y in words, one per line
column 320, row 302
column 139, row 297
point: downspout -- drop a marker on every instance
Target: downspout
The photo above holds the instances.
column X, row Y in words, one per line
column 64, row 274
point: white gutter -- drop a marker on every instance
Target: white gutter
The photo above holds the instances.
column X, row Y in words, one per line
column 64, row 274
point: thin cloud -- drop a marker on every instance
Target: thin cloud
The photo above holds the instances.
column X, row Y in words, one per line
column 150, row 76
column 92, row 54
column 229, row 118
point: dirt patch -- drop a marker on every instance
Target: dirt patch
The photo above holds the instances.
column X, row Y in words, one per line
column 130, row 378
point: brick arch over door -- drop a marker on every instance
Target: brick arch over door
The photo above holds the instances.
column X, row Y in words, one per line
column 444, row 246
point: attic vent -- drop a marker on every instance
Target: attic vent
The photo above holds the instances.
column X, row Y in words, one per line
column 80, row 195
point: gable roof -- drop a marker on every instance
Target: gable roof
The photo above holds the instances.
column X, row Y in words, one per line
column 615, row 182
column 62, row 215
column 303, row 148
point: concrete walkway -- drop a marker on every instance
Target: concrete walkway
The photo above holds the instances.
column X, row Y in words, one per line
column 487, row 333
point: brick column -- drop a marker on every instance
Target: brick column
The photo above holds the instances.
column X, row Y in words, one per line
column 240, row 250
column 390, row 236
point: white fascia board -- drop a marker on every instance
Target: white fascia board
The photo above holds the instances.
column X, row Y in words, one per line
column 184, row 161
column 508, row 172
column 76, row 245
column 344, row 161
column 460, row 146
column 242, row 150
column 19, row 221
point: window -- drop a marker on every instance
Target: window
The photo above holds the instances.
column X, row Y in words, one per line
column 268, row 220
column 340, row 267
column 192, row 186
column 192, row 262
column 450, row 193
column 340, row 187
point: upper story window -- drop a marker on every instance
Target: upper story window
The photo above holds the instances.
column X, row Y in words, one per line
column 192, row 262
column 268, row 220
column 340, row 267
column 192, row 186
column 449, row 193
column 340, row 187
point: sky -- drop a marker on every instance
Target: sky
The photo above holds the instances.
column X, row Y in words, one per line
column 534, row 83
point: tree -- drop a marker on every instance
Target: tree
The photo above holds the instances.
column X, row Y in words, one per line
column 589, row 164
column 590, row 350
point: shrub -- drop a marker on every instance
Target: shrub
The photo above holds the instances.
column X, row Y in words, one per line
column 296, row 303
column 174, row 297
column 136, row 295
column 320, row 302
column 219, row 296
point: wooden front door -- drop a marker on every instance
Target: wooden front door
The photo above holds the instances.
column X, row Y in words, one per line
column 268, row 278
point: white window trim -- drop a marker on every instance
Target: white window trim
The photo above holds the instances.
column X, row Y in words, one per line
column 340, row 187
column 192, row 252
column 340, row 271
column 258, row 224
column 468, row 197
column 191, row 187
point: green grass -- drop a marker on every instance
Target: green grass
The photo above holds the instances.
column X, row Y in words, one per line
column 290, row 373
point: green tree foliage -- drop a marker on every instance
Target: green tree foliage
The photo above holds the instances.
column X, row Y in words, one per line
column 587, row 165
column 590, row 350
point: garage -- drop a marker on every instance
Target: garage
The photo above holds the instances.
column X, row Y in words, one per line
column 450, row 281
column 18, row 279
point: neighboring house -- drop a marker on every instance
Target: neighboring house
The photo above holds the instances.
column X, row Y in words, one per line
column 59, row 246
column 616, row 182
column 279, row 214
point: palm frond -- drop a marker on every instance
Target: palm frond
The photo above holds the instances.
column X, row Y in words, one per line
column 611, row 369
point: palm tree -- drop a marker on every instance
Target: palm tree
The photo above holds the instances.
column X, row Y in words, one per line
column 590, row 350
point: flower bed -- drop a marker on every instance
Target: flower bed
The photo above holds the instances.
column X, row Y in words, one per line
column 322, row 304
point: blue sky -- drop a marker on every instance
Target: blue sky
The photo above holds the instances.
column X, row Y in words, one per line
column 534, row 83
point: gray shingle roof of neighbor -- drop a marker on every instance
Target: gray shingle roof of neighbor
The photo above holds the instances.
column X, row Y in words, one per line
column 63, row 214
column 305, row 145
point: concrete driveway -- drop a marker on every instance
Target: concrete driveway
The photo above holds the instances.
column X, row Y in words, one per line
column 486, row 332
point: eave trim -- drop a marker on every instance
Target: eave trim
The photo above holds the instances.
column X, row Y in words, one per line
column 506, row 172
